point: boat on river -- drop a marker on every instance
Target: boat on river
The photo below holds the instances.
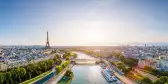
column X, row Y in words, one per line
column 108, row 76
column 103, row 66
column 119, row 82
column 114, row 78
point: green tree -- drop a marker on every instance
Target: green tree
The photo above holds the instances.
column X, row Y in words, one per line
column 18, row 74
column 118, row 54
column 58, row 69
column 29, row 75
column 164, row 79
column 50, row 63
column 164, row 73
column 67, row 58
column 15, row 74
column 75, row 55
column 130, row 61
column 56, row 57
column 155, row 72
column 145, row 80
column 15, row 82
column 113, row 63
column 2, row 78
column 158, row 82
column 66, row 63
column 69, row 74
column 10, row 81
column 161, row 80
column 6, row 81
column 8, row 74
column 148, row 68
column 43, row 66
column 8, row 77
column 29, row 68
column 22, row 73
column 59, row 62
column 66, row 54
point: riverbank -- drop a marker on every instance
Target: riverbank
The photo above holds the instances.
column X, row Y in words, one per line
column 35, row 79
column 57, row 78
column 67, row 78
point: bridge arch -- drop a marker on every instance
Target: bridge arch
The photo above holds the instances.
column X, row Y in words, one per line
column 84, row 61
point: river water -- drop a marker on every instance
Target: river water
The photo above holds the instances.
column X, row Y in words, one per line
column 87, row 74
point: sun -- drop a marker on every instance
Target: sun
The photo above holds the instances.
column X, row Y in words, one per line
column 94, row 35
column 91, row 32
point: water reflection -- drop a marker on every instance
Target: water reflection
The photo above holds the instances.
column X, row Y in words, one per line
column 88, row 74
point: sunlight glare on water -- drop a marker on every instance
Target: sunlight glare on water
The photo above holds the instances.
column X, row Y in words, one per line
column 87, row 74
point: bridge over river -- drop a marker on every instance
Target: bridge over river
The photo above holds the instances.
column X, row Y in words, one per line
column 85, row 61
column 84, row 74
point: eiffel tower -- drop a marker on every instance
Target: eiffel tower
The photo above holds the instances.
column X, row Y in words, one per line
column 47, row 43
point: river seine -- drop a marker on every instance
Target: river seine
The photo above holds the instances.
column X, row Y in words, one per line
column 87, row 74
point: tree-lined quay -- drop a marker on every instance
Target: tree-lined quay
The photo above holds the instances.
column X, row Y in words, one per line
column 35, row 79
column 58, row 76
column 18, row 75
column 62, row 67
column 35, row 71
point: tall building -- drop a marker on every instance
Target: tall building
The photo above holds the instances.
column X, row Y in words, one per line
column 47, row 43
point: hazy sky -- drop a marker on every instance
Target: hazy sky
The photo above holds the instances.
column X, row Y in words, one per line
column 83, row 22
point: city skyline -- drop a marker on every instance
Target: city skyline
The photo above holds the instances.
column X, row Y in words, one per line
column 83, row 22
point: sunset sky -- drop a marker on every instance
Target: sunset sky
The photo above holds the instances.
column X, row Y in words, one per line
column 83, row 22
